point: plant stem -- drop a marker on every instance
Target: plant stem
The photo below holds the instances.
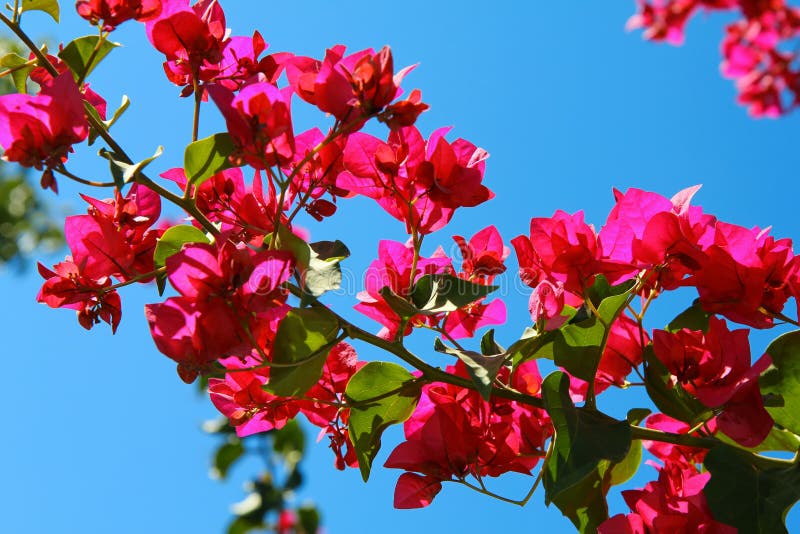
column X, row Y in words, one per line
column 64, row 172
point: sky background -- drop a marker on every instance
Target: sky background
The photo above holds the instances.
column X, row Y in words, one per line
column 100, row 435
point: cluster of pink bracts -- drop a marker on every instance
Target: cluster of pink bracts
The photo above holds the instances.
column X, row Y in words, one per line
column 231, row 294
column 760, row 49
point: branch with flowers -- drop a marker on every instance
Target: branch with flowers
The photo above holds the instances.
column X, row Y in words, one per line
column 247, row 311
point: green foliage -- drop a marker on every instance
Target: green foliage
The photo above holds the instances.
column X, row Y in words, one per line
column 749, row 492
column 206, row 157
column 25, row 223
column 693, row 318
column 83, row 54
column 272, row 491
column 124, row 105
column 437, row 293
column 48, row 6
column 482, row 369
column 20, row 74
column 125, row 173
column 380, row 394
column 302, row 343
column 782, row 378
column 586, row 444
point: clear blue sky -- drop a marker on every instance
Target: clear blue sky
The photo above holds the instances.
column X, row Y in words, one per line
column 101, row 436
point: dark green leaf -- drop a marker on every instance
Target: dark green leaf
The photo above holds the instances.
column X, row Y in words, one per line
column 783, row 378
column 309, row 519
column 20, row 76
column 380, row 394
column 694, row 318
column 206, row 157
column 585, row 503
column 637, row 415
column 437, row 293
column 125, row 173
column 289, row 440
column 489, row 346
column 48, row 6
column 81, row 57
column 226, row 456
column 302, row 343
column 93, row 134
column 578, row 346
column 170, row 243
column 584, row 438
column 398, row 304
column 482, row 369
column 624, row 470
column 751, row 493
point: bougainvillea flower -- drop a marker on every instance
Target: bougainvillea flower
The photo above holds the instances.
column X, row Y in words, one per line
column 673, row 503
column 404, row 113
column 116, row 237
column 483, row 255
column 647, row 231
column 115, row 12
column 715, row 367
column 241, row 397
column 67, row 287
column 494, row 437
column 561, row 248
column 259, row 121
column 315, row 165
column 416, row 182
column 746, row 275
column 231, row 300
column 39, row 131
column 191, row 37
column 341, row 364
column 393, row 269
column 348, row 87
column 245, row 214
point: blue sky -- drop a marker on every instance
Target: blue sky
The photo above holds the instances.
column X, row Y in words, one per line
column 99, row 433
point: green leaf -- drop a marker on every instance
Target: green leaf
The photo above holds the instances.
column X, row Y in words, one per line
column 672, row 400
column 20, row 76
column 637, row 415
column 324, row 272
column 206, row 157
column 380, row 394
column 694, row 318
column 626, row 469
column 171, row 242
column 290, row 439
column 751, row 493
column 93, row 134
column 575, row 475
column 578, row 346
column 482, row 369
column 309, row 518
column 489, row 346
column 48, row 6
column 437, row 293
column 289, row 241
column 585, row 503
column 783, row 378
column 226, row 456
column 302, row 343
column 81, row 57
column 404, row 309
column 123, row 172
